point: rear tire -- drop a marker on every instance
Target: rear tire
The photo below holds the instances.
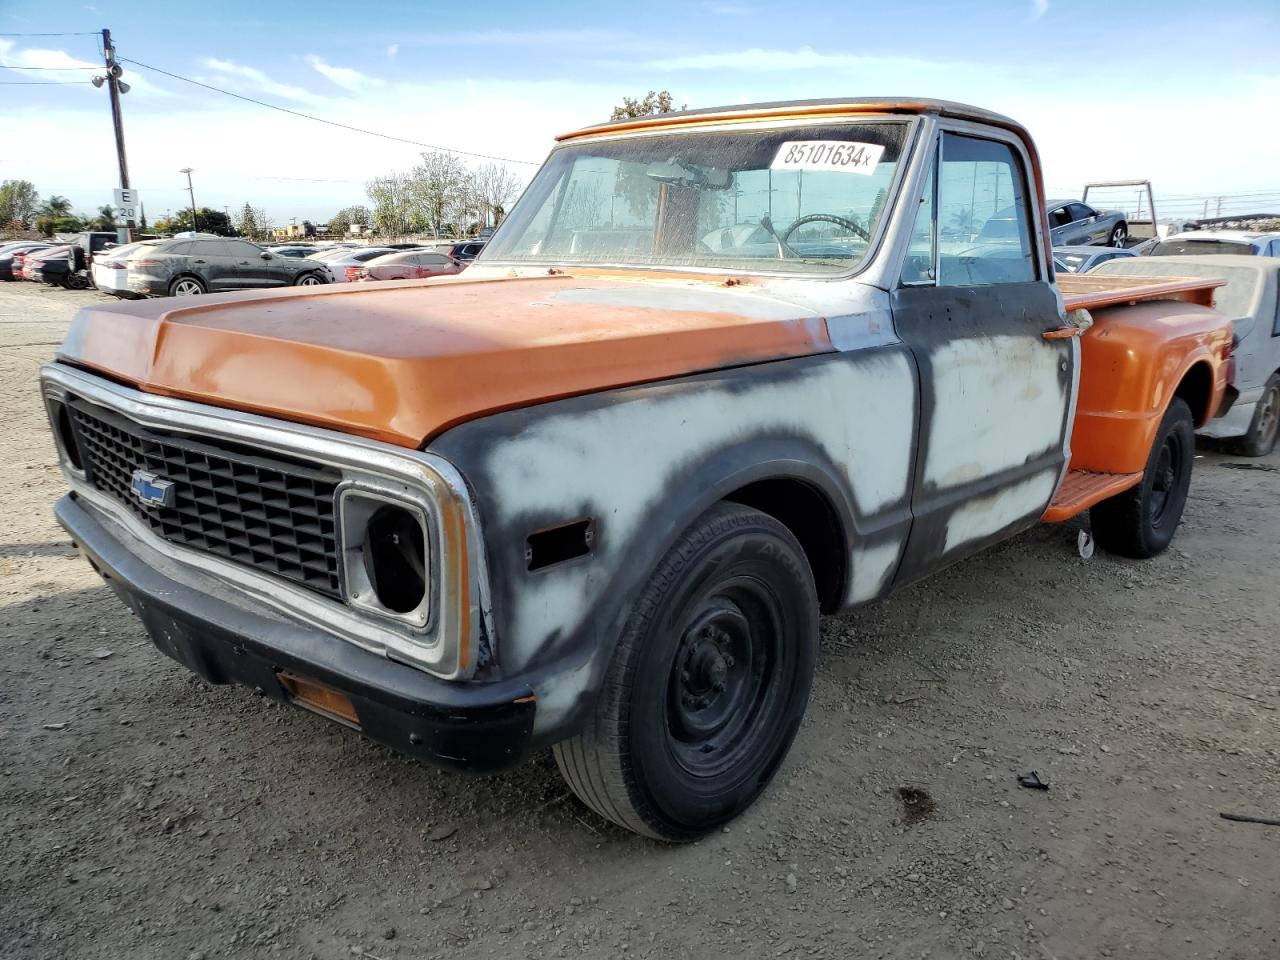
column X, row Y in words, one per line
column 1141, row 521
column 708, row 682
column 187, row 287
column 1265, row 425
column 1119, row 235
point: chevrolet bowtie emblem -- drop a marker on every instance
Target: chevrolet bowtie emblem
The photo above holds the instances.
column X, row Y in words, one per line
column 153, row 491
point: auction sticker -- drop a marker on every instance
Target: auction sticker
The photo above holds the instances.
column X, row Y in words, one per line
column 841, row 156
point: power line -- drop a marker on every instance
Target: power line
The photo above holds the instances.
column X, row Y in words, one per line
column 40, row 83
column 10, row 66
column 332, row 123
column 82, row 33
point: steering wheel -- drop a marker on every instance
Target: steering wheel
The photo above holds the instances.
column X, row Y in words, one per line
column 828, row 218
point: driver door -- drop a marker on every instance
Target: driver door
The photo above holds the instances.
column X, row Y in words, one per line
column 995, row 395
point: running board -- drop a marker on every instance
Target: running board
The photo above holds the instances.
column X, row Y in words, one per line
column 1084, row 488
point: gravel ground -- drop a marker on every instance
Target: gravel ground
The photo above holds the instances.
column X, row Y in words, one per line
column 147, row 815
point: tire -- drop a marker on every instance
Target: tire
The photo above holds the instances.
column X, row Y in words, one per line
column 1118, row 236
column 76, row 281
column 1141, row 521
column 308, row 280
column 187, row 286
column 1265, row 425
column 708, row 684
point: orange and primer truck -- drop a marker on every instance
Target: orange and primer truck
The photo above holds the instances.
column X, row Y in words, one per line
column 717, row 373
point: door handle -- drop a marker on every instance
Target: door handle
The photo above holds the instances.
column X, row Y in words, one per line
column 1062, row 333
column 197, row 261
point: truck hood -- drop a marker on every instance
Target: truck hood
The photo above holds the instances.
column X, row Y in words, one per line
column 401, row 361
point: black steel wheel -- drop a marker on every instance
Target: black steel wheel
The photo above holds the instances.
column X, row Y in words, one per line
column 708, row 683
column 1141, row 521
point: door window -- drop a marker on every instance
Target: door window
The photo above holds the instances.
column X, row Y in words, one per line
column 1079, row 212
column 984, row 221
column 242, row 250
column 922, row 248
column 1059, row 217
column 208, row 248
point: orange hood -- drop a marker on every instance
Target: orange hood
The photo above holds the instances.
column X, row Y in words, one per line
column 403, row 360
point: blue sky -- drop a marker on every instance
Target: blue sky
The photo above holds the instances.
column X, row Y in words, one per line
column 1182, row 92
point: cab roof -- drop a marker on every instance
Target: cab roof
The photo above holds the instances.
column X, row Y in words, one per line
column 800, row 109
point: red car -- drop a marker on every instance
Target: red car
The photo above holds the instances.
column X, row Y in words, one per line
column 410, row 265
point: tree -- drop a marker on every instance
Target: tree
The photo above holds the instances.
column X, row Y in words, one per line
column 252, row 222
column 56, row 217
column 142, row 218
column 207, row 221
column 105, row 220
column 651, row 104
column 18, row 202
column 495, row 188
column 344, row 219
column 439, row 186
column 392, row 203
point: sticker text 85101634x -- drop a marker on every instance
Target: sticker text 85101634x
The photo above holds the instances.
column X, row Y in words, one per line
column 840, row 156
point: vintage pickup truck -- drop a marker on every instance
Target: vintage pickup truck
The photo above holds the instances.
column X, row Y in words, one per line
column 718, row 372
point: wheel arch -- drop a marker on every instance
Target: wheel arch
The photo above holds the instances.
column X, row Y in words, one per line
column 1195, row 386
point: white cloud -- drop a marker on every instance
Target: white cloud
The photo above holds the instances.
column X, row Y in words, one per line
column 1039, row 8
column 345, row 77
column 261, row 82
column 393, row 50
column 756, row 59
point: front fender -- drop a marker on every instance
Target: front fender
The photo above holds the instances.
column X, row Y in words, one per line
column 642, row 463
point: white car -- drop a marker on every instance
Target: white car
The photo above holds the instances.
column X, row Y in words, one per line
column 344, row 263
column 111, row 268
column 1197, row 242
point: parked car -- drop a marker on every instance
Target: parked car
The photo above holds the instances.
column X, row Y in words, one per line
column 344, row 265
column 187, row 266
column 1252, row 299
column 1084, row 259
column 58, row 270
column 33, row 262
column 1073, row 223
column 111, row 268
column 465, row 252
column 294, row 251
column 548, row 505
column 1202, row 242
column 409, row 265
column 12, row 255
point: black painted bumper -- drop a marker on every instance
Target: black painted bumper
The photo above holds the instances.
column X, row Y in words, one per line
column 478, row 727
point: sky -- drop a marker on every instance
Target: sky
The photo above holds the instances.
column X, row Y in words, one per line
column 1182, row 93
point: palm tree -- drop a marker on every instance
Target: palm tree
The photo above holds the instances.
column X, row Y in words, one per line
column 56, row 206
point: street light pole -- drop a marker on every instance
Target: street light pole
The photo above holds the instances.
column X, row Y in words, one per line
column 192, row 193
column 125, row 234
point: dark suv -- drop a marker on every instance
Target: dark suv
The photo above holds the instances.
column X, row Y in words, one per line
column 185, row 266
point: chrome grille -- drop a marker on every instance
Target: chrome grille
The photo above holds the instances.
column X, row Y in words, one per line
column 272, row 514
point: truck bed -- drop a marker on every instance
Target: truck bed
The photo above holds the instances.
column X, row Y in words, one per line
column 1091, row 291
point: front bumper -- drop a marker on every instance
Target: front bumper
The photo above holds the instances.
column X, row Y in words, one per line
column 222, row 637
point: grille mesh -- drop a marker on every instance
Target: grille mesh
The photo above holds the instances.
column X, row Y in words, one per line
column 274, row 515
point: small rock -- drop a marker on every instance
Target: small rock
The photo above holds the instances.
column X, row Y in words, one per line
column 442, row 832
column 484, row 885
column 791, row 883
column 389, row 933
column 195, row 955
column 55, row 726
column 1007, row 903
column 102, row 653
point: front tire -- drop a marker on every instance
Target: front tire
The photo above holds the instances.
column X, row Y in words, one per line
column 308, row 280
column 1141, row 521
column 707, row 685
column 1265, row 425
column 1119, row 235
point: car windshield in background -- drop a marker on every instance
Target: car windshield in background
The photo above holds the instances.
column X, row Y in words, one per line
column 1175, row 248
column 1072, row 261
column 802, row 199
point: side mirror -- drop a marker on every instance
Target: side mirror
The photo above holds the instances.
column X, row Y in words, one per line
column 265, row 255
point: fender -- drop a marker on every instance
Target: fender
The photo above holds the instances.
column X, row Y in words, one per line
column 642, row 462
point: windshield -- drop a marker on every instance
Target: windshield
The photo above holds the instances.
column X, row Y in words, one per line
column 802, row 199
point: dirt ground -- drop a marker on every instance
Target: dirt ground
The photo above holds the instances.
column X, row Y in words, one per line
column 147, row 815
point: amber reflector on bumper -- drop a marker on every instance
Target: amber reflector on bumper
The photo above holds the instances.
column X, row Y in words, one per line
column 316, row 696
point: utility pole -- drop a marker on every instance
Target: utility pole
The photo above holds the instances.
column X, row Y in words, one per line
column 191, row 192
column 125, row 234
